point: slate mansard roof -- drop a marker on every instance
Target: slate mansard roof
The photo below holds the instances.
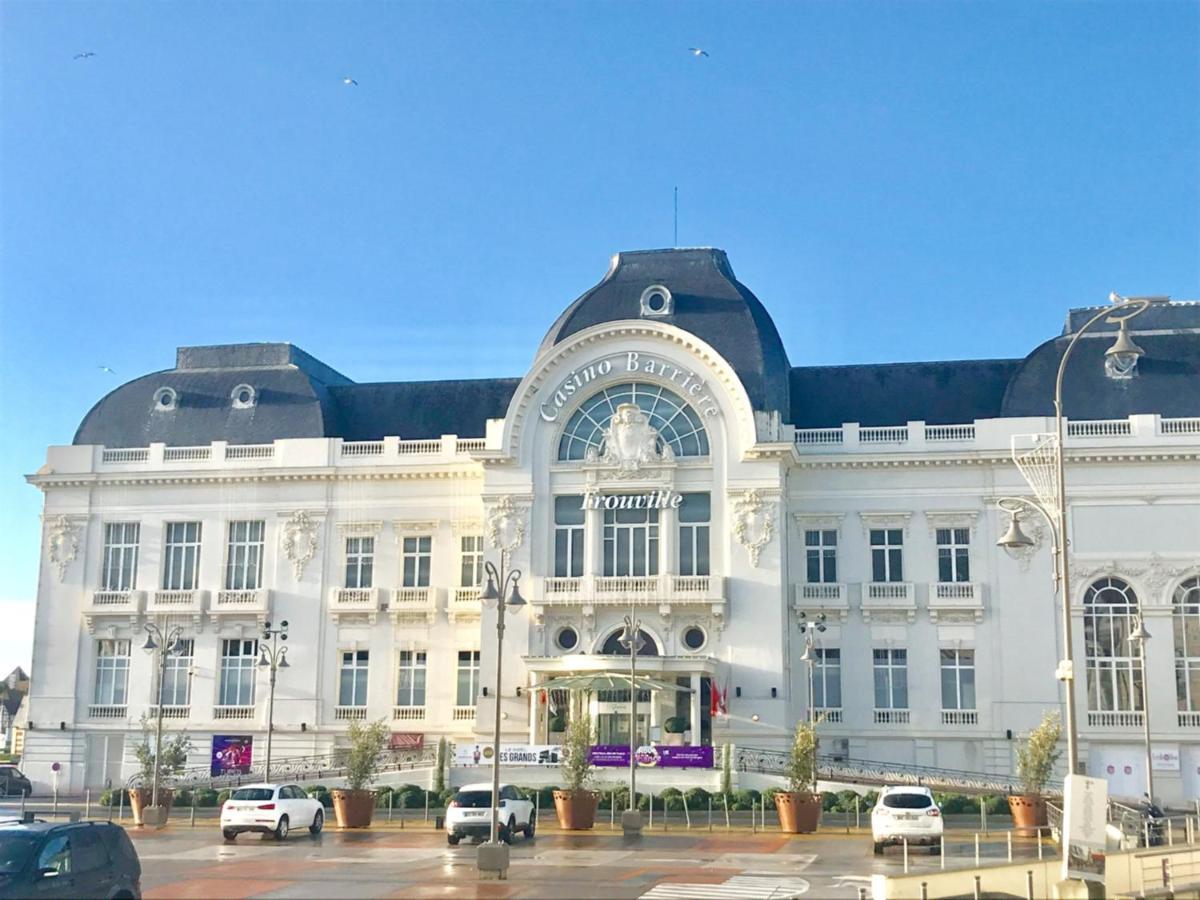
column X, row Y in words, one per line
column 299, row 396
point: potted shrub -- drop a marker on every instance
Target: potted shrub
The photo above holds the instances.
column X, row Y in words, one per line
column 674, row 728
column 1036, row 756
column 171, row 760
column 354, row 805
column 799, row 807
column 576, row 804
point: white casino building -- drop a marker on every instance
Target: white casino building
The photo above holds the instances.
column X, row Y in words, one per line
column 660, row 453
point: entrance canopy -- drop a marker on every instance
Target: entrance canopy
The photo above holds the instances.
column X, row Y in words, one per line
column 609, row 681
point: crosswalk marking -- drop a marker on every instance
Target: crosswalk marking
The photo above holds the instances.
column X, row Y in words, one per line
column 739, row 887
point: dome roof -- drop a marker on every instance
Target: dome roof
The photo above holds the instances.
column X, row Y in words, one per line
column 705, row 299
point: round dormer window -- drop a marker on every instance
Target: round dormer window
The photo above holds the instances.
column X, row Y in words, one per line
column 243, row 396
column 657, row 301
column 567, row 638
column 165, row 398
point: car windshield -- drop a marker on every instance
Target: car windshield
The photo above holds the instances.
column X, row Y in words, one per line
column 474, row 799
column 252, row 794
column 908, row 801
column 15, row 850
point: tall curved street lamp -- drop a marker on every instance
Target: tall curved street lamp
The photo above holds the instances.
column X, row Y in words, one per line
column 493, row 856
column 1138, row 639
column 1051, row 494
column 274, row 657
column 631, row 638
column 168, row 642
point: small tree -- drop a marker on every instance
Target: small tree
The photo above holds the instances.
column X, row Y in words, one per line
column 801, row 767
column 172, row 758
column 367, row 742
column 577, row 745
column 727, row 770
column 439, row 778
column 1038, row 753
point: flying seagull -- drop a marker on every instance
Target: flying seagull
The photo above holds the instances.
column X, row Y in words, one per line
column 350, row 81
column 106, row 369
column 697, row 52
column 84, row 55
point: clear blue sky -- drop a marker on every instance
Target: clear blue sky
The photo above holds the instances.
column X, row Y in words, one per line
column 896, row 181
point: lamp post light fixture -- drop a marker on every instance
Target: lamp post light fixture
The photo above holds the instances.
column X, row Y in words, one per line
column 1138, row 638
column 631, row 638
column 167, row 643
column 810, row 630
column 503, row 592
column 273, row 656
column 1048, row 480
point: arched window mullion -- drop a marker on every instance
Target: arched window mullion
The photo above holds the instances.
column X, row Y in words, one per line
column 678, row 424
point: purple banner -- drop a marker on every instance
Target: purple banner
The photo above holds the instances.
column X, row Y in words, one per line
column 231, row 754
column 653, row 757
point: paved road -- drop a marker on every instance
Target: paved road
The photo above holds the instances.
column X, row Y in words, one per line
column 182, row 862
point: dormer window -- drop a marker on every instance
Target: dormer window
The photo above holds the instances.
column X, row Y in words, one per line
column 657, row 301
column 165, row 399
column 243, row 397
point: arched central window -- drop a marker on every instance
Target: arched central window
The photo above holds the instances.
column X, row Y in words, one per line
column 1186, row 619
column 1114, row 671
column 677, row 424
column 613, row 647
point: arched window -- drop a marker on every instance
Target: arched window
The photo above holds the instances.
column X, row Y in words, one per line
column 1186, row 619
column 677, row 424
column 1114, row 670
column 613, row 647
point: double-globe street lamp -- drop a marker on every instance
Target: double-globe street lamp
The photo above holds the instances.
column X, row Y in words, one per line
column 810, row 630
column 165, row 642
column 274, row 657
column 503, row 590
column 1047, row 477
column 631, row 638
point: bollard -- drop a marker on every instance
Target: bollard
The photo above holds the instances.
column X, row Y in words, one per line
column 905, row 855
column 612, row 812
column 942, row 852
column 666, row 814
column 983, row 813
column 862, row 893
column 686, row 813
column 1009, row 836
column 724, row 797
column 847, row 821
column 924, row 890
column 651, row 799
column 1039, row 841
column 753, row 828
column 1029, row 885
column 1146, row 834
column 537, row 806
column 55, row 807
column 403, row 803
column 857, row 815
column 1170, row 833
column 426, row 806
column 978, row 889
column 192, row 817
column 977, row 849
column 87, row 803
column 110, row 798
column 122, row 815
column 710, row 812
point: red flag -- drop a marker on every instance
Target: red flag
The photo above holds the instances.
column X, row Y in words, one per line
column 714, row 698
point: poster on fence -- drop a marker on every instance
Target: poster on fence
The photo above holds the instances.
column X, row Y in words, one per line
column 232, row 754
column 510, row 754
column 1085, row 822
column 653, row 757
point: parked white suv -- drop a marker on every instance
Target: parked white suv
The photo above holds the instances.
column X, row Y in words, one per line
column 469, row 813
column 906, row 813
column 270, row 809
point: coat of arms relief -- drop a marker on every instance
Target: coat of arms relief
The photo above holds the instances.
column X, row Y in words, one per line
column 630, row 444
column 753, row 524
column 299, row 539
column 505, row 526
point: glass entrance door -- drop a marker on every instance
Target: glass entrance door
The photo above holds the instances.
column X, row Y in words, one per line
column 613, row 727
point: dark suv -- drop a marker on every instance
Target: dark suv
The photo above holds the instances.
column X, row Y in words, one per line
column 77, row 859
column 13, row 783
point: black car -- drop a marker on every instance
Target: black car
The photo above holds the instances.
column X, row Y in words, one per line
column 76, row 859
column 13, row 783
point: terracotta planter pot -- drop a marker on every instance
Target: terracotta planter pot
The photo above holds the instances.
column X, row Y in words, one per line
column 353, row 809
column 139, row 799
column 799, row 811
column 576, row 809
column 1028, row 812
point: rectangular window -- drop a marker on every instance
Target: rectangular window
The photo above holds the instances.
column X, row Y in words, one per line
column 238, row 659
column 954, row 556
column 352, row 686
column 694, row 515
column 360, row 562
column 827, row 679
column 181, row 561
column 568, row 537
column 468, row 677
column 243, row 558
column 472, row 560
column 176, row 687
column 891, row 679
column 820, row 556
column 958, row 679
column 112, row 672
column 887, row 548
column 120, row 556
column 410, row 689
column 630, row 542
column 416, row 554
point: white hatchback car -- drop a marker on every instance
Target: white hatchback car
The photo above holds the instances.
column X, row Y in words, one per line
column 469, row 813
column 270, row 809
column 906, row 813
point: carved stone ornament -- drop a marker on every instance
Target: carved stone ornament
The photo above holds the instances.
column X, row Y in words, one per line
column 299, row 540
column 62, row 542
column 506, row 525
column 631, row 442
column 753, row 524
column 1155, row 574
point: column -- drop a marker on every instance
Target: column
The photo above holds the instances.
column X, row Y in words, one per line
column 694, row 708
column 534, row 708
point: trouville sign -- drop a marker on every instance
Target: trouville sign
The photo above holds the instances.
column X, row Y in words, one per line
column 664, row 499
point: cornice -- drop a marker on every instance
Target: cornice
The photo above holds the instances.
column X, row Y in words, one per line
column 975, row 459
column 94, row 479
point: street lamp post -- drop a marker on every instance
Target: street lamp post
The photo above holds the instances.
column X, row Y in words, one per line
column 1052, row 499
column 167, row 642
column 274, row 657
column 1138, row 638
column 631, row 638
column 810, row 630
column 493, row 856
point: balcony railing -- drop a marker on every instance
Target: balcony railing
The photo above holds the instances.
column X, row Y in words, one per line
column 408, row 713
column 107, row 711
column 889, row 596
column 949, row 596
column 171, row 712
column 464, row 714
column 256, row 602
column 354, row 601
column 177, row 602
column 114, row 603
column 891, row 717
column 1100, row 428
column 1189, row 720
column 233, row 712
column 125, row 455
column 187, row 454
column 464, row 603
column 960, row 717
column 1114, row 719
column 829, row 714
column 350, row 713
column 627, row 589
column 887, row 435
column 937, row 433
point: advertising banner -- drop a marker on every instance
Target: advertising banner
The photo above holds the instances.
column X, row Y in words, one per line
column 232, row 754
column 1165, row 758
column 661, row 757
column 1085, row 819
column 510, row 754
column 406, row 740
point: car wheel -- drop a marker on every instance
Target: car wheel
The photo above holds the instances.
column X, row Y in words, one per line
column 506, row 832
column 878, row 848
column 453, row 839
column 318, row 822
column 531, row 827
column 281, row 830
column 229, row 834
column 935, row 848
